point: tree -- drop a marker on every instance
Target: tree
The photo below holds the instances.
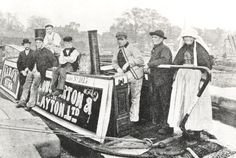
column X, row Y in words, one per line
column 35, row 22
column 72, row 29
column 73, row 26
column 13, row 24
column 10, row 25
column 2, row 22
column 139, row 22
column 214, row 39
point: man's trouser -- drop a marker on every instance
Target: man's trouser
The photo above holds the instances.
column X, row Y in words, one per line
column 32, row 83
column 161, row 103
column 22, row 82
column 134, row 90
column 59, row 77
column 56, row 51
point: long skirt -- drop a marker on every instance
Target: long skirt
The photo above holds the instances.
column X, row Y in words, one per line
column 184, row 92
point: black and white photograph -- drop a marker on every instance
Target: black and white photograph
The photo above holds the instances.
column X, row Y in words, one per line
column 117, row 79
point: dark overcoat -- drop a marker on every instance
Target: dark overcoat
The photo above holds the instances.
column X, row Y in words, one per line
column 44, row 59
column 161, row 54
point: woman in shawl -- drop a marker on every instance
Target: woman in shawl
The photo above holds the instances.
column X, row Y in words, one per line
column 192, row 51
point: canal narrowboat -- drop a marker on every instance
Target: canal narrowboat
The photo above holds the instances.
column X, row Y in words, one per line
column 93, row 111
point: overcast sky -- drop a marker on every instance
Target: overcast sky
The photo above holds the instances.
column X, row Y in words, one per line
column 101, row 14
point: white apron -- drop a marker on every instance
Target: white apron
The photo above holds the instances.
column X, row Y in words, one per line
column 184, row 91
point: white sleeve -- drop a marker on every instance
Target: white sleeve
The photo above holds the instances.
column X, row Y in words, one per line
column 72, row 58
column 62, row 58
column 57, row 39
column 45, row 40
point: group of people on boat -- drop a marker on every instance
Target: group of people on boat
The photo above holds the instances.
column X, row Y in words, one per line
column 32, row 65
column 172, row 92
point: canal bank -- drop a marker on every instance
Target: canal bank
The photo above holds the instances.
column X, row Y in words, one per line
column 21, row 134
column 224, row 104
column 224, row 114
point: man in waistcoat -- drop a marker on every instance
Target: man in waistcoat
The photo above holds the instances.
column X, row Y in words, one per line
column 69, row 62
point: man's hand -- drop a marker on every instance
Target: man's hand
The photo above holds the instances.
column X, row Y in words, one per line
column 125, row 67
column 120, row 71
column 146, row 66
column 66, row 59
column 50, row 43
column 23, row 73
column 26, row 70
column 54, row 68
column 146, row 69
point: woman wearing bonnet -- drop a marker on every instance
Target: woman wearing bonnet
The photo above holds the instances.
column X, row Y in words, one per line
column 192, row 51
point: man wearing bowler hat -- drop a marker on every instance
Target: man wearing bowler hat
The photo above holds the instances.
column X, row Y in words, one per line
column 160, row 81
column 39, row 62
column 22, row 63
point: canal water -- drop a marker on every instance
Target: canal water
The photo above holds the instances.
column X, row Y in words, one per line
column 71, row 149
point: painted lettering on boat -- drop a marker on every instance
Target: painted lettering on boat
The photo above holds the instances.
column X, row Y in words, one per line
column 9, row 78
column 78, row 79
column 10, row 72
column 8, row 83
column 77, row 104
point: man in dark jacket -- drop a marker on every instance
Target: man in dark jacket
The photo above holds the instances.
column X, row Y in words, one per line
column 40, row 61
column 160, row 81
column 22, row 62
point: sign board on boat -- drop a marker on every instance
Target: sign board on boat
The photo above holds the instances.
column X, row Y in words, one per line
column 84, row 106
column 10, row 77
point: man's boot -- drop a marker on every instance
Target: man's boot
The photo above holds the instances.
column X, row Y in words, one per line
column 21, row 104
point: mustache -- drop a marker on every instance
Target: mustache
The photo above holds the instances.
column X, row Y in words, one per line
column 27, row 48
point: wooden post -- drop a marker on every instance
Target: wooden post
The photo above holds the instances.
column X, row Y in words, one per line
column 94, row 52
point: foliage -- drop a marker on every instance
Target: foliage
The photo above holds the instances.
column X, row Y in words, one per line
column 136, row 22
column 72, row 29
column 10, row 25
column 36, row 22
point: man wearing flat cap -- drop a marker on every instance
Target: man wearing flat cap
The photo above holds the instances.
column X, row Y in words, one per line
column 39, row 62
column 22, row 63
column 128, row 60
column 160, row 81
column 52, row 40
column 69, row 62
